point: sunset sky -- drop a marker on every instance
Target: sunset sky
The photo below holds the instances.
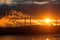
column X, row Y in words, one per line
column 37, row 9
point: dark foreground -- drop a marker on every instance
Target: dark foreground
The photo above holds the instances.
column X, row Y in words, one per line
column 30, row 30
column 33, row 37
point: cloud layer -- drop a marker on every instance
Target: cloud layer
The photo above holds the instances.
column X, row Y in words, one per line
column 23, row 2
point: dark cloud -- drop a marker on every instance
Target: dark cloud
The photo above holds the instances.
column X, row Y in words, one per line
column 34, row 10
column 29, row 0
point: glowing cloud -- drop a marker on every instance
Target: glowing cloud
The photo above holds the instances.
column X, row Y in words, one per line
column 34, row 2
column 1, row 1
column 13, row 19
column 5, row 1
column 53, row 0
column 45, row 2
column 23, row 2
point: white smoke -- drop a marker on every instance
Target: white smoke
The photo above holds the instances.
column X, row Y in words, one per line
column 14, row 19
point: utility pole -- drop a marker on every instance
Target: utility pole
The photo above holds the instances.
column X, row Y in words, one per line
column 25, row 21
column 56, row 21
column 30, row 21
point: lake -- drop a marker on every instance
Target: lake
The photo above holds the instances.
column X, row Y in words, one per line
column 30, row 37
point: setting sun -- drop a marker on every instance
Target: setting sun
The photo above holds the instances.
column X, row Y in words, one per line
column 47, row 39
column 47, row 20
